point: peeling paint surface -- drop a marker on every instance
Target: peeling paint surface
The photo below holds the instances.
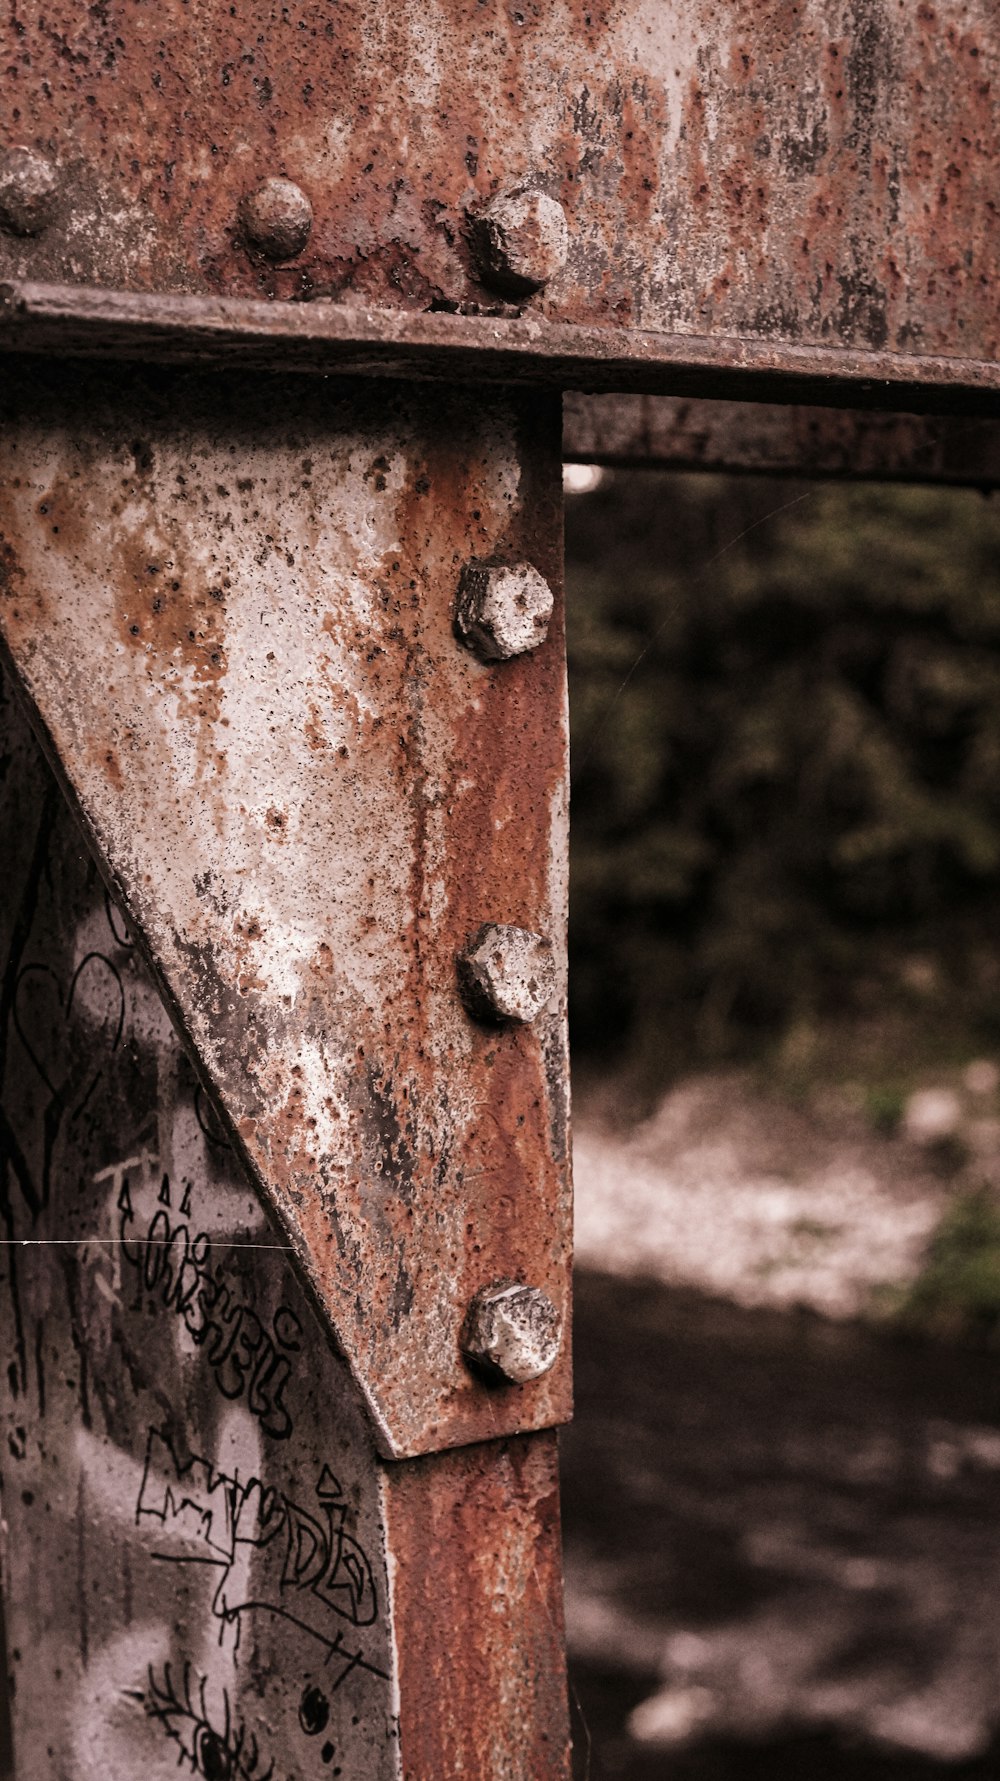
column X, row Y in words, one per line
column 232, row 606
column 819, row 171
column 205, row 1566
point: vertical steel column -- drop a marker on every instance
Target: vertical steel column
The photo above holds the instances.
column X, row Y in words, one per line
column 235, row 1329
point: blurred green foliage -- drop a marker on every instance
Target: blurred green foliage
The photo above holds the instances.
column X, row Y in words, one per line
column 786, row 759
column 957, row 1294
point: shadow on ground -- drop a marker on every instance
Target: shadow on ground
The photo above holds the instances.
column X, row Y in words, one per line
column 782, row 1545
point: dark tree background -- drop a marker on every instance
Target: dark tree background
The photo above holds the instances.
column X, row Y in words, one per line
column 786, row 777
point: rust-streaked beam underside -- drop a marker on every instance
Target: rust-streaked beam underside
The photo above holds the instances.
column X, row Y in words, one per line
column 324, row 337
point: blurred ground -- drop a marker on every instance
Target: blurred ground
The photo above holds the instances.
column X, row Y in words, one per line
column 782, row 1511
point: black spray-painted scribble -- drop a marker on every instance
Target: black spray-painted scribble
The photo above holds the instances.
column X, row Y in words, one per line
column 273, row 1554
column 218, row 1751
column 176, row 1267
column 39, row 1015
column 314, row 1717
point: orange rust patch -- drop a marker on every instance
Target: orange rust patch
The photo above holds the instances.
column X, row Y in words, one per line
column 497, row 1677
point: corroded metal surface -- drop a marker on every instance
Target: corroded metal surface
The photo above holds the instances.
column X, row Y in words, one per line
column 678, row 433
column 233, row 609
column 205, row 1566
column 815, row 172
column 475, row 1539
column 78, row 321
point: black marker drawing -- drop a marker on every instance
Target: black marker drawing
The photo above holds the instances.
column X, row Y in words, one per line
column 223, row 1752
column 63, row 1054
column 314, row 1714
column 306, row 1568
column 117, row 924
column 36, row 1009
column 209, row 1121
column 175, row 1266
column 314, row 1711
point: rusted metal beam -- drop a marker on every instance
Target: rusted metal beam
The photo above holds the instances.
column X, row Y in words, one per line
column 322, row 337
column 475, row 1541
column 284, row 642
column 818, row 175
column 680, row 433
column 204, row 1562
column 232, row 604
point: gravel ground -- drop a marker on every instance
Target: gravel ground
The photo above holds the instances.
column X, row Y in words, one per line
column 782, row 1522
column 739, row 1194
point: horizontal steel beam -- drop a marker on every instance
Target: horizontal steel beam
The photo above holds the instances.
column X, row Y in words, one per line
column 813, row 176
column 767, row 439
column 323, row 337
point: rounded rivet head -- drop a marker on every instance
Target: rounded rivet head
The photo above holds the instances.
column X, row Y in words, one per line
column 276, row 218
column 506, row 973
column 29, row 183
column 512, row 1332
column 503, row 609
column 521, row 240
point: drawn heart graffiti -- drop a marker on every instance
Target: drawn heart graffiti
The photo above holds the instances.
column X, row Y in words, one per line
column 67, row 1055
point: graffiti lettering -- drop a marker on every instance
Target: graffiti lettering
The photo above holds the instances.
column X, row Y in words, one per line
column 175, row 1266
column 306, row 1567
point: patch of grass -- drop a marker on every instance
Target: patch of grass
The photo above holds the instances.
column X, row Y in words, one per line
column 814, row 1229
column 884, row 1104
column 957, row 1294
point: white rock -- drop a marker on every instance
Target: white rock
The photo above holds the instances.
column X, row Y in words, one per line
column 982, row 1077
column 931, row 1115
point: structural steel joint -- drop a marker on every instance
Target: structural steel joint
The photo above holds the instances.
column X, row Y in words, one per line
column 293, row 649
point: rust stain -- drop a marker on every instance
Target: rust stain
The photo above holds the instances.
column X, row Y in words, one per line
column 314, row 794
column 679, row 140
column 475, row 1542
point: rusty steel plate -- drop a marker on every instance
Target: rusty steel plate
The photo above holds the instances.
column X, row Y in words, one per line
column 205, row 1566
column 818, row 173
column 323, row 337
column 231, row 605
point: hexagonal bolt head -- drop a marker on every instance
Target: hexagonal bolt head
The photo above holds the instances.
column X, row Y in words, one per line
column 503, row 609
column 506, row 973
column 276, row 219
column 521, row 240
column 29, row 183
column 512, row 1332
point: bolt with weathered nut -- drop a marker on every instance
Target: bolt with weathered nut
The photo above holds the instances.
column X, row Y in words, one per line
column 276, row 219
column 503, row 609
column 506, row 973
column 29, row 183
column 512, row 1332
column 521, row 240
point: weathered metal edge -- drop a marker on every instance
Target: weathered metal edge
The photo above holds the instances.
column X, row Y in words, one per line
column 769, row 439
column 81, row 321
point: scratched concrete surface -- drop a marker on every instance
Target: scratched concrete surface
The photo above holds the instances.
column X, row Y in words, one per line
column 192, row 1547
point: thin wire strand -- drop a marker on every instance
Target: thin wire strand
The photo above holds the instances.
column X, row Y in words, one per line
column 114, row 1242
